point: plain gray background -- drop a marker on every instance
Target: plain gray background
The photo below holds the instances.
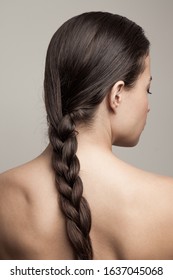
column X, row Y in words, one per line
column 26, row 28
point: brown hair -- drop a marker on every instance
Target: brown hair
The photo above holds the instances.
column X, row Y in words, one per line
column 86, row 56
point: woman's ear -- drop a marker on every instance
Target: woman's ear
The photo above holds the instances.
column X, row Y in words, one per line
column 115, row 95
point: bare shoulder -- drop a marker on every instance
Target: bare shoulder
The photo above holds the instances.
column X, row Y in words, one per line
column 146, row 182
column 31, row 224
column 16, row 183
column 19, row 190
column 12, row 190
column 148, row 215
column 139, row 205
column 157, row 187
column 13, row 210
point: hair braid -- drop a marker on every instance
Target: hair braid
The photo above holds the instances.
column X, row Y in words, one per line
column 86, row 56
column 70, row 186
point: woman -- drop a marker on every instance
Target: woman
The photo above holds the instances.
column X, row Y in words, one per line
column 77, row 200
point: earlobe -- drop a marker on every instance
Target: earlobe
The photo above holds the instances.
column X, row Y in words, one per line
column 115, row 95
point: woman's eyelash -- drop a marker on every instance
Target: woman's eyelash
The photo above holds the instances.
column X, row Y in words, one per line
column 149, row 92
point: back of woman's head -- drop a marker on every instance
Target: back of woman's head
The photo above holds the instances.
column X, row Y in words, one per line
column 87, row 55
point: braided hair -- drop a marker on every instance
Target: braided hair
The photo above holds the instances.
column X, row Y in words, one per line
column 85, row 57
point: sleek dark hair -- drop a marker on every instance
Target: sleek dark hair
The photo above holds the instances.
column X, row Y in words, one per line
column 87, row 55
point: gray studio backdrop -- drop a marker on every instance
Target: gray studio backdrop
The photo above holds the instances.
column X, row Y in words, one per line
column 25, row 31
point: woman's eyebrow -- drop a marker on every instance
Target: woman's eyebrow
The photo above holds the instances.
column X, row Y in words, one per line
column 151, row 78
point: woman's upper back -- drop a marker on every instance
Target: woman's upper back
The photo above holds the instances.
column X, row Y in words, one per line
column 132, row 211
column 32, row 226
column 133, row 208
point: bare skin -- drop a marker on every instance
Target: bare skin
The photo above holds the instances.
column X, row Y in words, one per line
column 132, row 210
